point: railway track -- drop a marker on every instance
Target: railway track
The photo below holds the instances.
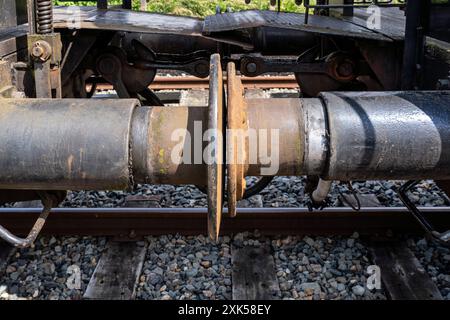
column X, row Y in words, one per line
column 191, row 82
column 133, row 222
column 120, row 268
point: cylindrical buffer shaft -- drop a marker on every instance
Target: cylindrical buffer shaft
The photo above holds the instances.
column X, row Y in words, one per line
column 388, row 135
column 169, row 144
column 73, row 144
column 65, row 144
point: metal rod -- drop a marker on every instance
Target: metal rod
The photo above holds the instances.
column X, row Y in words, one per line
column 102, row 4
column 32, row 235
column 31, row 16
column 43, row 79
column 414, row 43
column 48, row 200
column 322, row 190
column 201, row 211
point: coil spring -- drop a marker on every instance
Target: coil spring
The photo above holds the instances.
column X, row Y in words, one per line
column 44, row 10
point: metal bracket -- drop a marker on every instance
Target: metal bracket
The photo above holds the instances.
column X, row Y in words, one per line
column 237, row 141
column 215, row 170
column 441, row 237
column 7, row 89
column 114, row 68
column 355, row 196
column 48, row 201
column 45, row 49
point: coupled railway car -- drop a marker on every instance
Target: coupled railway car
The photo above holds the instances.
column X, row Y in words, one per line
column 374, row 103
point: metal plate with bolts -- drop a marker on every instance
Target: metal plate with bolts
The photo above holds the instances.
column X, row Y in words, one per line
column 215, row 152
column 236, row 139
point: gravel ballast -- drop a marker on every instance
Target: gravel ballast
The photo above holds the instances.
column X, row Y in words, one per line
column 317, row 268
column 436, row 261
column 181, row 267
column 43, row 271
column 190, row 267
column 281, row 192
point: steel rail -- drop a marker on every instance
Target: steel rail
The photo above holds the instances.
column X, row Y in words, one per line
column 133, row 222
column 191, row 82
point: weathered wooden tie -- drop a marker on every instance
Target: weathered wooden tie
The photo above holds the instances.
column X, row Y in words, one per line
column 253, row 276
column 403, row 276
column 117, row 272
column 6, row 251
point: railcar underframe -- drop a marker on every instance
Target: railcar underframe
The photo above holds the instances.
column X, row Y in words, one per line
column 374, row 103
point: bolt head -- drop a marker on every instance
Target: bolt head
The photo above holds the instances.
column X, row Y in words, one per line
column 41, row 50
column 202, row 69
column 37, row 51
column 251, row 67
column 345, row 69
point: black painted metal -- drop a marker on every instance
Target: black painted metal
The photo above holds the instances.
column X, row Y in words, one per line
column 215, row 24
column 126, row 4
column 102, row 4
column 322, row 6
column 414, row 43
column 439, row 22
column 44, row 16
column 442, row 237
column 388, row 135
column 64, row 144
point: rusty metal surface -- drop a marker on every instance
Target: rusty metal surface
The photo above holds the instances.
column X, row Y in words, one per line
column 126, row 20
column 158, row 134
column 5, row 76
column 42, row 78
column 385, row 63
column 237, row 140
column 60, row 144
column 190, row 221
column 259, row 18
column 126, row 78
column 215, row 154
column 45, row 51
column 189, row 82
column 285, row 135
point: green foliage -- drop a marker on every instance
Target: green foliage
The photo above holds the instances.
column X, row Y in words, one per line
column 196, row 8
